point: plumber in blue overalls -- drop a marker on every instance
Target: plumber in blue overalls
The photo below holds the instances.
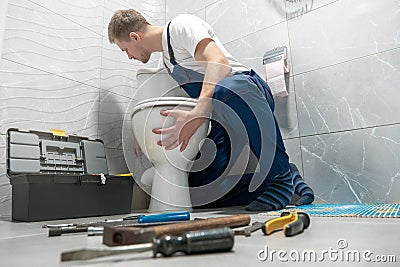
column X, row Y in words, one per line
column 241, row 107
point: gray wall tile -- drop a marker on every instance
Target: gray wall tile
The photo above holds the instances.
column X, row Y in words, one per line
column 249, row 50
column 176, row 7
column 245, row 17
column 354, row 166
column 343, row 31
column 293, row 150
column 356, row 94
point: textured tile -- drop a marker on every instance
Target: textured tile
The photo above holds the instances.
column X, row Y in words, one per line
column 70, row 50
column 152, row 10
column 5, row 191
column 89, row 14
column 351, row 95
column 320, row 39
column 355, row 166
column 3, row 14
column 32, row 99
column 176, row 7
column 245, row 17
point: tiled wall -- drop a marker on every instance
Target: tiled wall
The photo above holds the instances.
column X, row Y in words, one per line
column 339, row 121
column 58, row 70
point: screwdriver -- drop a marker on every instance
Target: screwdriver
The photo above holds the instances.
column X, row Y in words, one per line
column 95, row 228
column 193, row 242
column 151, row 218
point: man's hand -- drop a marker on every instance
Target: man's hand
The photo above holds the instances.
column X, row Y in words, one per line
column 186, row 124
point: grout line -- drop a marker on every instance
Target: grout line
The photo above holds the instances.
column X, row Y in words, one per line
column 348, row 130
column 347, row 61
column 101, row 71
column 35, row 68
column 286, row 20
column 59, row 14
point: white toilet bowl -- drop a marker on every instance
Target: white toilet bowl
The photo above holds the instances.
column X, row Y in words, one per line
column 168, row 177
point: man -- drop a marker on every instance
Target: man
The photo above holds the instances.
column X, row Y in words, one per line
column 241, row 105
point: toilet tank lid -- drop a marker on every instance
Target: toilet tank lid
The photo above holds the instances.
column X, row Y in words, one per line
column 151, row 71
column 164, row 101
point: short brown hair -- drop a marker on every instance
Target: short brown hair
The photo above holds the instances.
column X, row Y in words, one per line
column 124, row 22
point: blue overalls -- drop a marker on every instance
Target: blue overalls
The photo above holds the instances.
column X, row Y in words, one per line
column 242, row 115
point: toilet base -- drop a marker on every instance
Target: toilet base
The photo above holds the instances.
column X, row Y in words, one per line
column 169, row 189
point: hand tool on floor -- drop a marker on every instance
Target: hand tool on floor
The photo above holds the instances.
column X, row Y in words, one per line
column 118, row 236
column 292, row 223
column 303, row 216
column 94, row 227
column 151, row 218
column 194, row 242
column 249, row 229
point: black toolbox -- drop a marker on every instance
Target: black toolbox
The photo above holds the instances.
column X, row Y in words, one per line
column 55, row 176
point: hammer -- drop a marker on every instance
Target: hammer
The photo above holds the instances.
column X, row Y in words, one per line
column 118, row 236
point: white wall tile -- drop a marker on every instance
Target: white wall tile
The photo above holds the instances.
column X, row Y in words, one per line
column 5, row 187
column 152, row 10
column 88, row 14
column 3, row 15
column 39, row 38
column 343, row 31
column 33, row 99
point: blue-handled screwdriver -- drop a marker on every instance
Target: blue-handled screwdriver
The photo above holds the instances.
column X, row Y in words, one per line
column 134, row 220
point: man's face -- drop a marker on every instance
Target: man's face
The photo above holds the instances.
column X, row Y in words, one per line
column 134, row 49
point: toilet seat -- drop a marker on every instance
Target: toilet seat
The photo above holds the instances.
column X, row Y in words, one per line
column 164, row 101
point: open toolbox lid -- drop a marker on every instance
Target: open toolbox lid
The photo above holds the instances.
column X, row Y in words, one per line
column 35, row 152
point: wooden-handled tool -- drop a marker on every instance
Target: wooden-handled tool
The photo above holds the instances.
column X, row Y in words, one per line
column 118, row 236
column 193, row 242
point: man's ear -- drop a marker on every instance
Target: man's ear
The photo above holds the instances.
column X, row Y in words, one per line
column 134, row 35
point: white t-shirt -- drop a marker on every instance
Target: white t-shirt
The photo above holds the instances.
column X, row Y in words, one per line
column 186, row 31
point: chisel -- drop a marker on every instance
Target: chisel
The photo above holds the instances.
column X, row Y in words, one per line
column 193, row 242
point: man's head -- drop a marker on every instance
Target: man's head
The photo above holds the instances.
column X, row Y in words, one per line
column 126, row 29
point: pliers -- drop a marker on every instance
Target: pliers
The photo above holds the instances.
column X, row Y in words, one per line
column 292, row 223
